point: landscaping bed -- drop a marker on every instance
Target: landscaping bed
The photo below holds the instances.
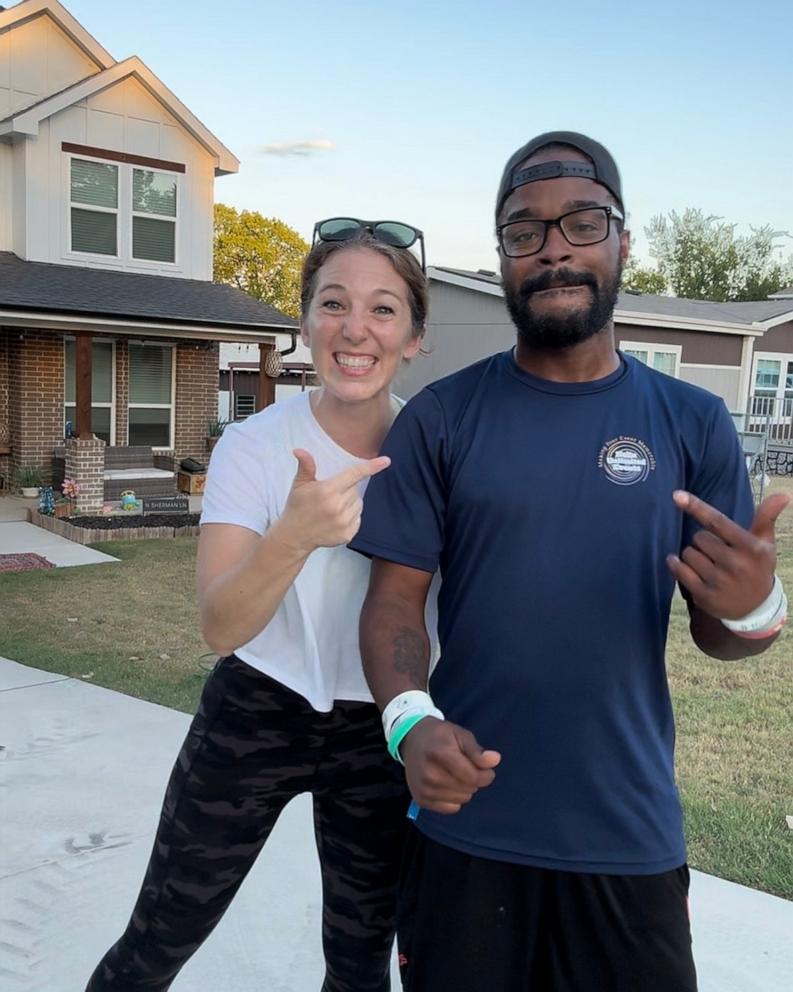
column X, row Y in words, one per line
column 93, row 529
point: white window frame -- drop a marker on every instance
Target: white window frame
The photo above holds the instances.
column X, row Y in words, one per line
column 652, row 348
column 156, row 406
column 71, row 204
column 124, row 214
column 784, row 358
column 159, row 217
column 112, row 404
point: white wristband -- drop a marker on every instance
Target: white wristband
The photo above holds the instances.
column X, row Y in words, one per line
column 766, row 616
column 414, row 700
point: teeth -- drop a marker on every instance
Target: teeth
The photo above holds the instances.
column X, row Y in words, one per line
column 355, row 361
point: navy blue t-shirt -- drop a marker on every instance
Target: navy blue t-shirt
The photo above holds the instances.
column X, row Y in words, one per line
column 548, row 509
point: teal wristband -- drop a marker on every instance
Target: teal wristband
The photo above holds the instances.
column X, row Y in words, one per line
column 401, row 731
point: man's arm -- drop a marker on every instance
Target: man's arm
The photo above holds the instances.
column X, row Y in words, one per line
column 727, row 572
column 395, row 647
column 444, row 763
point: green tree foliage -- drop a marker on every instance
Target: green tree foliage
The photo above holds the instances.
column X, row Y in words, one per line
column 700, row 257
column 260, row 255
column 639, row 279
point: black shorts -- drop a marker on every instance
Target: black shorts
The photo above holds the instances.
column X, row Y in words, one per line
column 469, row 924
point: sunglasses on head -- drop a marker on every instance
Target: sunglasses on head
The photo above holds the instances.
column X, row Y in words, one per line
column 390, row 232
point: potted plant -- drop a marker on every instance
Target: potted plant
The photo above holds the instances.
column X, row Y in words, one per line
column 215, row 429
column 29, row 480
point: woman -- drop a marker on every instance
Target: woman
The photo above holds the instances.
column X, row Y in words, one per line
column 287, row 710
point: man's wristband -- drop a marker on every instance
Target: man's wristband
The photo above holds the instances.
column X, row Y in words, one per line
column 413, row 699
column 764, row 621
column 403, row 728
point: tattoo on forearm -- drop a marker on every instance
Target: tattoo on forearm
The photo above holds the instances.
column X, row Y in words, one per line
column 410, row 656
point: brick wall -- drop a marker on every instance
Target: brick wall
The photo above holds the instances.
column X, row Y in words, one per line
column 196, row 397
column 32, row 394
column 85, row 463
column 4, row 376
column 35, row 396
column 5, row 429
column 122, row 392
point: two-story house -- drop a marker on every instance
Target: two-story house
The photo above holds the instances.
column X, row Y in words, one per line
column 109, row 320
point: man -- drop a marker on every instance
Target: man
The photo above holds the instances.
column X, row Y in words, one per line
column 561, row 488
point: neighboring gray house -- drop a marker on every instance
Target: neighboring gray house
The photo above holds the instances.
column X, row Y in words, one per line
column 743, row 352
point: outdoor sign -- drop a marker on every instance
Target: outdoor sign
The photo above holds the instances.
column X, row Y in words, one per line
column 167, row 504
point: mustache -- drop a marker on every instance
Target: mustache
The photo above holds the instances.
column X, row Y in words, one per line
column 556, row 280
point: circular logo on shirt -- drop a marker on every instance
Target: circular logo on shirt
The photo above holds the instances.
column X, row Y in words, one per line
column 626, row 461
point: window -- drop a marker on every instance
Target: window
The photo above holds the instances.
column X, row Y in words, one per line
column 244, row 405
column 151, row 388
column 662, row 357
column 123, row 211
column 772, row 387
column 153, row 215
column 102, row 408
column 94, row 207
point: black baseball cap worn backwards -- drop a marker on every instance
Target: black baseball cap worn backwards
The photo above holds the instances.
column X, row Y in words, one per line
column 601, row 166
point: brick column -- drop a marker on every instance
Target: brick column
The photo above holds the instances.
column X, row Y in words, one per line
column 122, row 392
column 85, row 463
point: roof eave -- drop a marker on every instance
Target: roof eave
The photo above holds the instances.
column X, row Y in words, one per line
column 128, row 327
column 30, row 9
column 27, row 122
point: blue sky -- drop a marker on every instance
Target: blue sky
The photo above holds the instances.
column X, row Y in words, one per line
column 424, row 101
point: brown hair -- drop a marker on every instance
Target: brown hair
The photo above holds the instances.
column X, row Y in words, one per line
column 404, row 262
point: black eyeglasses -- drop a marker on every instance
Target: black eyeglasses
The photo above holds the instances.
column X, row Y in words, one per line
column 588, row 226
column 390, row 232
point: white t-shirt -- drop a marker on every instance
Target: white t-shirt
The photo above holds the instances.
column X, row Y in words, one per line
column 311, row 643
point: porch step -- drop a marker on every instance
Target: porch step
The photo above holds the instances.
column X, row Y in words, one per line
column 129, row 474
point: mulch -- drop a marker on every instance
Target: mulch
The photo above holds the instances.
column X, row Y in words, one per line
column 26, row 562
column 135, row 521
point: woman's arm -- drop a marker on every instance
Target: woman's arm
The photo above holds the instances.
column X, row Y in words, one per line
column 242, row 576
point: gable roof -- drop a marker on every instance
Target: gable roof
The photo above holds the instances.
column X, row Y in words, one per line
column 26, row 122
column 27, row 10
column 671, row 311
column 783, row 294
column 43, row 290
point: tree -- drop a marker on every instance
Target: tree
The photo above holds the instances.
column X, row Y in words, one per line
column 701, row 258
column 638, row 279
column 260, row 255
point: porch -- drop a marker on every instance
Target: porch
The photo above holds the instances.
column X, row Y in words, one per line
column 111, row 378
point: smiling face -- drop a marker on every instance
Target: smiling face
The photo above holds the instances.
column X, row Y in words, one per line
column 564, row 293
column 358, row 325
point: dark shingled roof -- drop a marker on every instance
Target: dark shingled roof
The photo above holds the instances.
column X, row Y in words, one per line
column 672, row 306
column 74, row 289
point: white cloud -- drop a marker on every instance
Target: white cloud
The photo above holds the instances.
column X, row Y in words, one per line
column 308, row 146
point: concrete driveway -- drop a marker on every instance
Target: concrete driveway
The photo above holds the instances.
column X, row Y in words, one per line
column 82, row 773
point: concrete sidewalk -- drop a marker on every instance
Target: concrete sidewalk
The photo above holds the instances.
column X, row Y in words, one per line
column 82, row 774
column 17, row 537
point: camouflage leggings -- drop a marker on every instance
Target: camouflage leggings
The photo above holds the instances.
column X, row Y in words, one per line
column 253, row 746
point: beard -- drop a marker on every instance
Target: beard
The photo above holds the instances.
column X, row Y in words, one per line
column 566, row 328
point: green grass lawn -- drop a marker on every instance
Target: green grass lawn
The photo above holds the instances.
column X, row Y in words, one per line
column 134, row 627
column 131, row 626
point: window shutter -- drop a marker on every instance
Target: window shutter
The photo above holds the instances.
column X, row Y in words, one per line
column 154, row 240
column 153, row 193
column 94, row 183
column 150, row 373
column 101, row 372
column 93, row 231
